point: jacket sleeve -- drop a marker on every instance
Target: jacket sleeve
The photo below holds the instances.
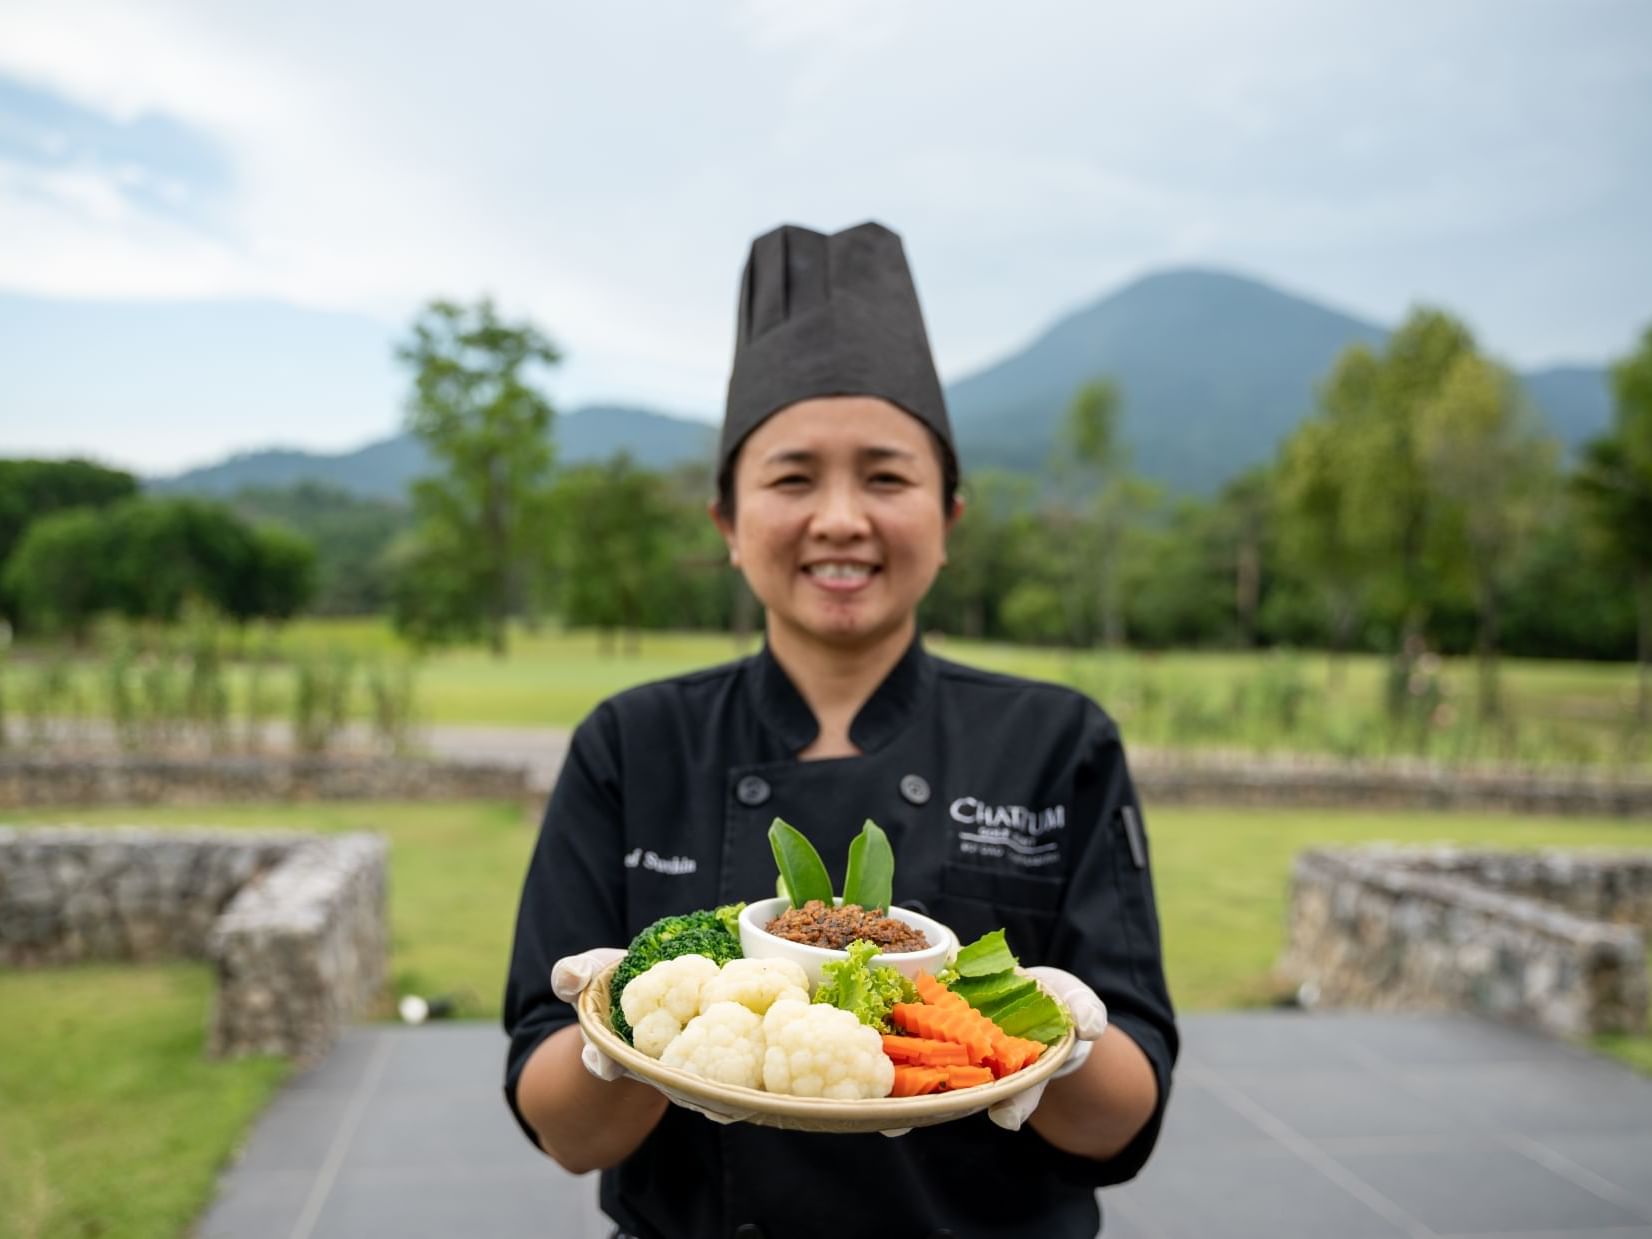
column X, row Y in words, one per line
column 573, row 897
column 1108, row 932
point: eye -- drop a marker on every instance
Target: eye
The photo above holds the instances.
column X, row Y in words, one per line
column 790, row 481
column 886, row 479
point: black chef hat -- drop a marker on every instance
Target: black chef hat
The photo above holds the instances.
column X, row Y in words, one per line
column 829, row 316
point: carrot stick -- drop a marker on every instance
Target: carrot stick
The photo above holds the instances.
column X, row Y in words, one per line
column 936, row 994
column 921, row 1051
column 914, row 1081
column 941, row 1024
column 967, row 1077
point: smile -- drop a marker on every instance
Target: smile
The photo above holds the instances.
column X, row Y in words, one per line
column 840, row 570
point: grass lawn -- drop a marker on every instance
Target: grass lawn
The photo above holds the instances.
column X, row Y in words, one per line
column 114, row 1123
column 103, row 1067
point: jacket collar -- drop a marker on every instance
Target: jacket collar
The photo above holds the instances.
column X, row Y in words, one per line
column 880, row 720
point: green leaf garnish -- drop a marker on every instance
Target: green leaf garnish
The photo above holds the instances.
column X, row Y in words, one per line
column 870, row 878
column 986, row 955
column 801, row 868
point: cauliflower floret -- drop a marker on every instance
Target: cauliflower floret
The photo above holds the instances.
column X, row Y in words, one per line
column 820, row 1051
column 659, row 1002
column 756, row 983
column 723, row 1043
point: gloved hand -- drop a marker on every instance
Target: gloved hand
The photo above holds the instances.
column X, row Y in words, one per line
column 1089, row 1022
column 569, row 977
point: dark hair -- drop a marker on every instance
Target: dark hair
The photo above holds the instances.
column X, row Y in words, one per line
column 950, row 478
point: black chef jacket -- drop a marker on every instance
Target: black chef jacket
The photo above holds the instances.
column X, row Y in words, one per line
column 1007, row 802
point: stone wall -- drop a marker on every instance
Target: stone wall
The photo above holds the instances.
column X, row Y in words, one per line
column 33, row 780
column 301, row 949
column 1237, row 779
column 294, row 924
column 1441, row 929
column 75, row 894
column 1599, row 886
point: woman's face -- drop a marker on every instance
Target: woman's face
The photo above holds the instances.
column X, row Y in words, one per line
column 838, row 524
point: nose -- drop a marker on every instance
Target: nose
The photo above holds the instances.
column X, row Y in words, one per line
column 841, row 516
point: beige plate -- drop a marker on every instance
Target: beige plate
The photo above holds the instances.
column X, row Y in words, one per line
column 802, row 1113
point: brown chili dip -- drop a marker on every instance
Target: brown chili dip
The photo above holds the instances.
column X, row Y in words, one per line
column 814, row 924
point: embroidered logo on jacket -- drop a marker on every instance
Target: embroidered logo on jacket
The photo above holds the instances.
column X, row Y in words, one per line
column 1013, row 831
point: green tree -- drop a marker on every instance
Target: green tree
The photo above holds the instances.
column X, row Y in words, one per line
column 283, row 577
column 148, row 558
column 58, row 575
column 615, row 522
column 990, row 549
column 1244, row 518
column 432, row 598
column 1566, row 598
column 1093, row 456
column 481, row 526
column 1180, row 577
column 1615, row 481
column 1491, row 473
column 1370, row 466
column 1391, row 490
column 167, row 551
column 1033, row 613
column 1317, row 536
column 33, row 489
column 351, row 535
column 699, row 588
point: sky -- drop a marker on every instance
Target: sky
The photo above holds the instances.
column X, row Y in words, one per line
column 216, row 220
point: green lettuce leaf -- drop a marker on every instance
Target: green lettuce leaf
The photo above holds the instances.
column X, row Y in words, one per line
column 986, row 955
column 867, row 993
column 985, row 976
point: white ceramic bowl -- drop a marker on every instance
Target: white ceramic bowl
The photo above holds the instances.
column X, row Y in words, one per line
column 758, row 943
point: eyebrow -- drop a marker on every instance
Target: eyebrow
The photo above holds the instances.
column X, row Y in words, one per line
column 804, row 456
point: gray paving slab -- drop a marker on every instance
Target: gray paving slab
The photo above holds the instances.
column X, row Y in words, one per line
column 1259, row 1191
column 1321, row 1103
column 1623, row 1159
column 1282, row 1125
column 1563, row 1096
column 1480, row 1188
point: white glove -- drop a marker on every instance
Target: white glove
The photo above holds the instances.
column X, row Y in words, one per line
column 1089, row 1022
column 569, row 976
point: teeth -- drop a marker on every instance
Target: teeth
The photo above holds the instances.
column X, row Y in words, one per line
column 841, row 572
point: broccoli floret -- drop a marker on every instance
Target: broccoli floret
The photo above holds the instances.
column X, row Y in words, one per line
column 702, row 932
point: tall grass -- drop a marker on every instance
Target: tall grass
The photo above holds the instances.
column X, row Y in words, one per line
column 1558, row 714
column 204, row 686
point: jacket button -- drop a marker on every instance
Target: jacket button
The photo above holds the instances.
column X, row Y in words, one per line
column 915, row 789
column 751, row 791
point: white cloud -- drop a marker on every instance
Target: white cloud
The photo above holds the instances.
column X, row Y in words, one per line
column 603, row 167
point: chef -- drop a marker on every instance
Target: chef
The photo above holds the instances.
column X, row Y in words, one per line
column 1007, row 802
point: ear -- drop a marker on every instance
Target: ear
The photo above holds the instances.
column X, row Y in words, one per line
column 725, row 527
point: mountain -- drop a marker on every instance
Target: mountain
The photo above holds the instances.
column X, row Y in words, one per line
column 383, row 470
column 1214, row 371
column 1576, row 401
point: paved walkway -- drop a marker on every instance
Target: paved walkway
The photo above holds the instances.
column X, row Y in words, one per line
column 1283, row 1126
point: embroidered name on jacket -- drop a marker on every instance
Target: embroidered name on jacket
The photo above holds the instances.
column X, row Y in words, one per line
column 1011, row 831
column 674, row 865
